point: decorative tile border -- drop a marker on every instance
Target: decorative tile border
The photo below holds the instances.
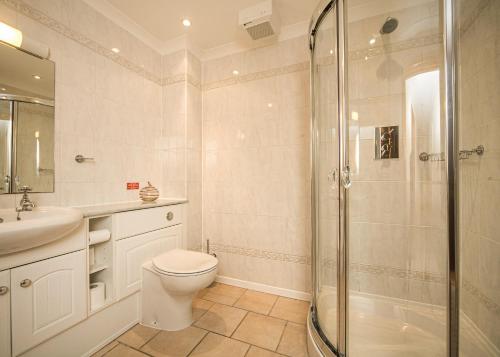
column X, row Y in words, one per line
column 418, row 275
column 258, row 253
column 398, row 273
column 483, row 299
column 365, row 53
column 469, row 21
column 353, row 55
column 64, row 30
column 180, row 78
column 298, row 67
column 390, row 271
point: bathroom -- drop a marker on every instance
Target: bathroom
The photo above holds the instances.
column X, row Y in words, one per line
column 249, row 178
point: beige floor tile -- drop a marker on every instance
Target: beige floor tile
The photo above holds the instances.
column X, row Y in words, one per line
column 260, row 352
column 255, row 301
column 124, row 351
column 221, row 319
column 200, row 306
column 291, row 310
column 260, row 330
column 174, row 343
column 294, row 343
column 218, row 346
column 105, row 349
column 222, row 293
column 137, row 336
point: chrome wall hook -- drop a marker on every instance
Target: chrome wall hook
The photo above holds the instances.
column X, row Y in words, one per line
column 80, row 158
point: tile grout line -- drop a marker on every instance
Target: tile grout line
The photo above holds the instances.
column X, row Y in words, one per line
column 239, row 324
column 131, row 347
column 200, row 341
column 156, row 334
column 281, row 337
column 274, row 304
column 104, row 355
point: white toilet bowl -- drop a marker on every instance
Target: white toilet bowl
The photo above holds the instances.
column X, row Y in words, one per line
column 169, row 283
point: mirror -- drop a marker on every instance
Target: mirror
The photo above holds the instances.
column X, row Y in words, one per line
column 26, row 121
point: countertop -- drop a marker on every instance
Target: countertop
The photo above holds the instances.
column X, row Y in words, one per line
column 110, row 208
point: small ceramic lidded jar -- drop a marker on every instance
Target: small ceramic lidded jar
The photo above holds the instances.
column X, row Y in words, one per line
column 149, row 193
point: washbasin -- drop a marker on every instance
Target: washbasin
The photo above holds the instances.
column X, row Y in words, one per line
column 40, row 226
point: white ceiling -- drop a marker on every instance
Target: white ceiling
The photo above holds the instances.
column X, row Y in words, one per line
column 214, row 22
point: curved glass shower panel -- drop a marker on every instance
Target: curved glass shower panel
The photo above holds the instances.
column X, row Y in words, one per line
column 326, row 186
column 397, row 222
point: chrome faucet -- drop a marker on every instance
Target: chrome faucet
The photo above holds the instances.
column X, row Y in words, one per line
column 25, row 204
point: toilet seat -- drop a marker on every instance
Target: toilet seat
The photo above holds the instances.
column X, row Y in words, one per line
column 180, row 262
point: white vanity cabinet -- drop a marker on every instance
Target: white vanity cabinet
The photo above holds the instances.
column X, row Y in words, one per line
column 141, row 235
column 133, row 252
column 4, row 313
column 47, row 297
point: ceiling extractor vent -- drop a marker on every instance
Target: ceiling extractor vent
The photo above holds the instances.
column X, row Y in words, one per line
column 260, row 20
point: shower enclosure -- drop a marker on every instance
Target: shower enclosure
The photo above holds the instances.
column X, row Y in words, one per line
column 406, row 178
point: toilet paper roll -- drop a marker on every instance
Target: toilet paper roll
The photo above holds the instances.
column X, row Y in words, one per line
column 97, row 295
column 99, row 236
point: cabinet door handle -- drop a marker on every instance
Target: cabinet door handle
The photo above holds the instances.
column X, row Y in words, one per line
column 170, row 216
column 25, row 283
column 4, row 290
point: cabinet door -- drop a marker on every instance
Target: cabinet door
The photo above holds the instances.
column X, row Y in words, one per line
column 5, row 313
column 47, row 297
column 132, row 253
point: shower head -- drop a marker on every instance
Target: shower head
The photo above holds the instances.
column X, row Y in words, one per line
column 389, row 26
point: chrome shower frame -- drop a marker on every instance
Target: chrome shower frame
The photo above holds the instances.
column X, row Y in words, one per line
column 450, row 74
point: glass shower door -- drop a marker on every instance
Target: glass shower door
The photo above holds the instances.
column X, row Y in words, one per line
column 397, row 226
column 326, row 183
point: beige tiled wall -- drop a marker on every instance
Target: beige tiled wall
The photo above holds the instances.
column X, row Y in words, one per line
column 182, row 137
column 256, row 187
column 108, row 106
column 479, row 123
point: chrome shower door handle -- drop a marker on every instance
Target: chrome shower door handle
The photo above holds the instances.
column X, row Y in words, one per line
column 346, row 177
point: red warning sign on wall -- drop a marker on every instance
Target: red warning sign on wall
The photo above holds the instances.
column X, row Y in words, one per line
column 132, row 185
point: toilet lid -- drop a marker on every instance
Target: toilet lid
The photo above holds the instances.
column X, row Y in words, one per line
column 180, row 261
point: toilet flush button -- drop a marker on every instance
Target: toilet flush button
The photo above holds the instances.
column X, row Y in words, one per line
column 170, row 216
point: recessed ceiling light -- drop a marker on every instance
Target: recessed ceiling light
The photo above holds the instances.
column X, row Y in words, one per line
column 372, row 41
column 115, row 50
column 270, row 105
column 36, row 76
column 236, row 72
column 331, row 52
column 186, row 22
column 3, row 89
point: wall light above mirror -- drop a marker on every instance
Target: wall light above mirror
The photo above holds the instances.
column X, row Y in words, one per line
column 26, row 121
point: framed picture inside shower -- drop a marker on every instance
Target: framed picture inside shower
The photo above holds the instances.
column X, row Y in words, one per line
column 26, row 121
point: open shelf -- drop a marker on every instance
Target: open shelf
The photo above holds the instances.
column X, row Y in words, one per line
column 97, row 268
column 101, row 262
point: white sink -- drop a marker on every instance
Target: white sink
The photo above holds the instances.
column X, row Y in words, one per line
column 38, row 227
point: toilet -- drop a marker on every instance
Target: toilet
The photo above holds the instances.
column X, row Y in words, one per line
column 169, row 283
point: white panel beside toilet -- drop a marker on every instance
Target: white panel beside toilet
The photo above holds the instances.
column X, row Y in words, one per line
column 133, row 252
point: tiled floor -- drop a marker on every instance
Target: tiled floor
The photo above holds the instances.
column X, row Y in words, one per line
column 228, row 321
